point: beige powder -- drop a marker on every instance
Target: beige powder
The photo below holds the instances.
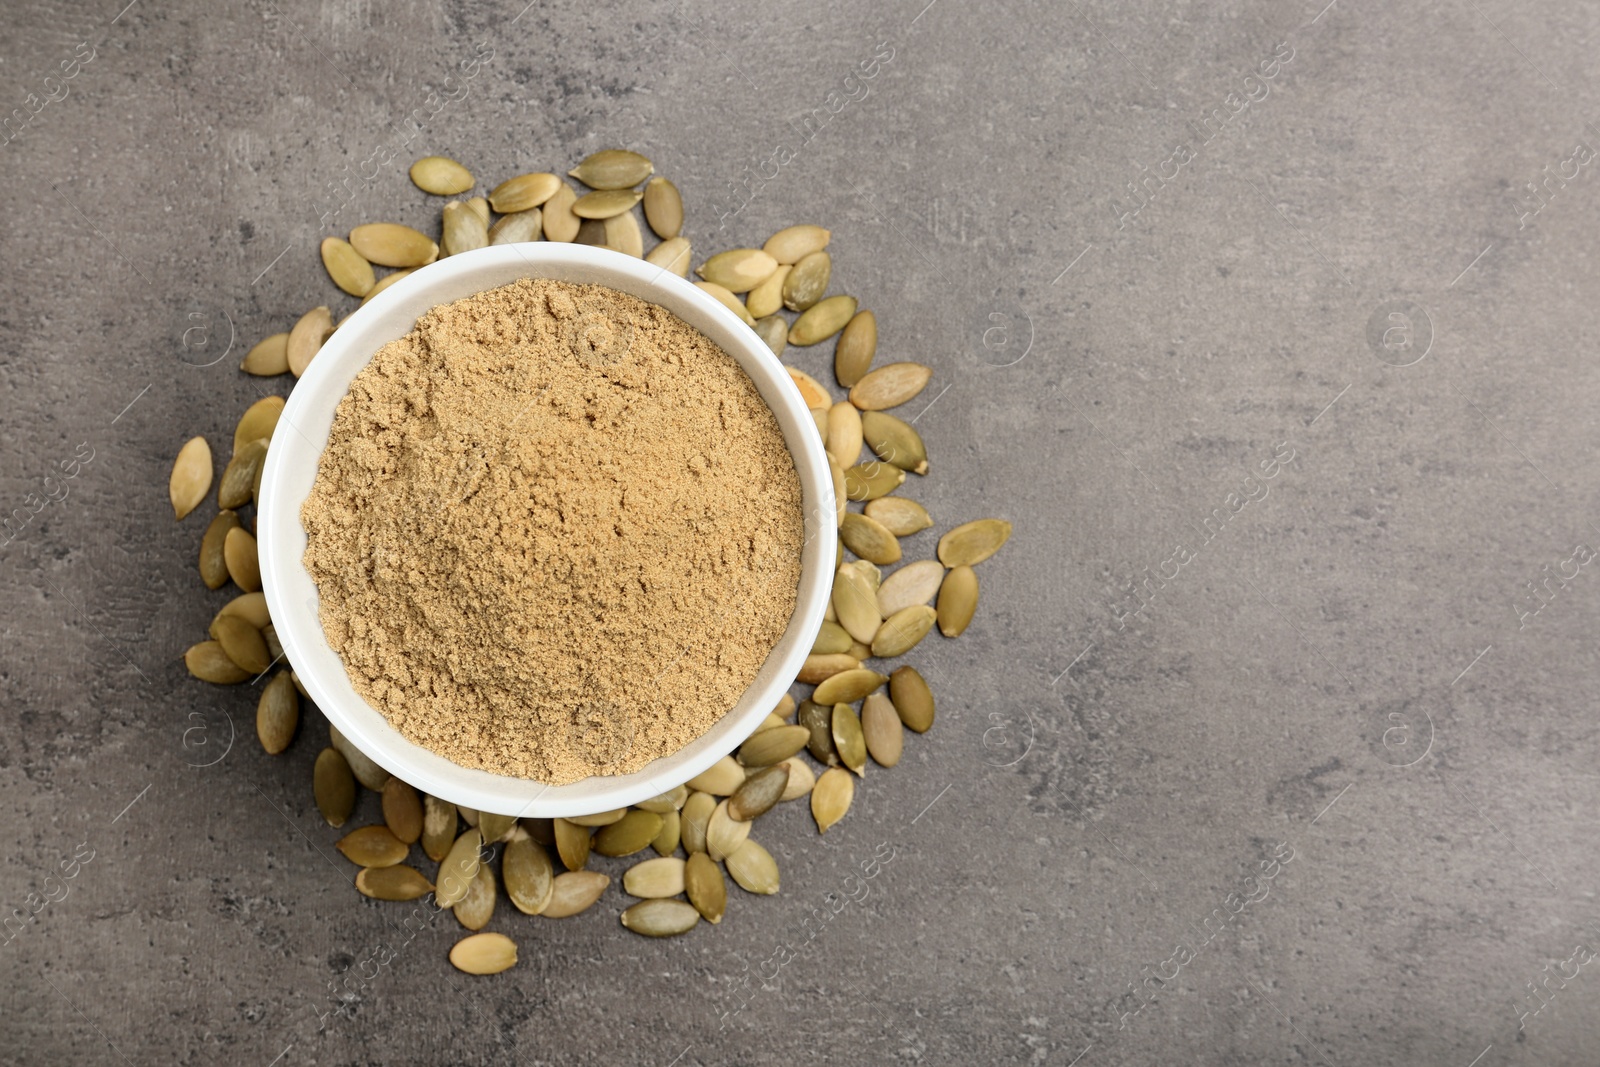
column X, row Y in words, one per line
column 555, row 533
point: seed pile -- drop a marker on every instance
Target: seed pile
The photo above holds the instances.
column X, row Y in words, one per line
column 818, row 747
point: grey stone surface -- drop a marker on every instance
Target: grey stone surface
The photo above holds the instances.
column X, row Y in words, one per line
column 1342, row 664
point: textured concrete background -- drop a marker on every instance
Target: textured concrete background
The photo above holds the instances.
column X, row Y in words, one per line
column 1325, row 794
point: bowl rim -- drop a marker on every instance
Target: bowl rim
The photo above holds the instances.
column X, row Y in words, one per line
column 282, row 539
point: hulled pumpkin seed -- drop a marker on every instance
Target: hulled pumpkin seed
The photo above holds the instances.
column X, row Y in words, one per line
column 468, row 815
column 870, row 571
column 480, row 208
column 268, row 357
column 654, row 878
column 240, row 475
column 632, row 833
column 831, row 796
column 441, row 176
column 818, row 721
column 191, row 476
column 390, row 244
column 899, row 516
column 573, row 843
column 889, row 386
column 484, row 954
column 560, row 224
column 306, row 339
column 258, row 421
column 881, row 729
column 384, row 283
column 333, row 786
column 704, row 885
column 371, row 846
column 604, row 203
column 801, row 779
column 461, row 230
column 738, row 270
column 269, row 634
column 209, row 663
column 239, row 553
column 476, row 908
column 495, row 827
column 696, row 816
column 774, row 330
column 398, row 882
column 913, row 700
column 794, row 243
column 848, row 686
column 973, row 542
column 754, row 869
column 663, row 208
column 671, row 800
column 812, row 392
column 660, row 918
column 858, row 343
column 528, row 874
column 819, row 667
column 613, row 168
column 761, row 790
column 841, row 495
column 767, row 298
column 459, row 868
column 894, row 441
column 820, row 417
column 251, row 607
column 766, row 747
column 860, row 651
column 366, row 771
column 213, row 566
column 438, row 826
column 915, row 583
column 573, row 892
column 867, row 538
column 902, row 631
column 831, row 640
column 402, row 811
column 958, row 600
column 721, row 779
column 770, row 721
column 622, row 235
column 724, row 833
column 277, row 713
column 727, row 300
column 592, row 232
column 523, row 192
column 845, row 433
column 671, row 254
column 869, row 481
column 848, row 739
column 822, row 320
column 543, row 831
column 517, row 228
column 807, row 282
column 348, row 268
column 784, row 709
column 599, row 818
column 666, row 842
column 856, row 602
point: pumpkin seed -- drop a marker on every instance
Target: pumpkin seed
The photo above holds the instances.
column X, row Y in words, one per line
column 663, row 208
column 848, row 686
column 867, row 538
column 592, row 232
column 573, row 892
column 251, row 607
column 958, row 600
column 671, row 800
column 213, row 567
column 306, row 339
column 209, row 663
column 767, row 747
column 333, row 786
column 819, row 667
column 754, row 869
column 830, row 798
column 523, row 192
column 767, row 298
column 801, row 778
column 856, row 602
column 622, row 235
column 869, row 481
column 794, row 243
column 517, row 228
column 480, row 208
column 889, row 386
column 820, row 417
column 899, row 516
column 604, row 203
column 274, row 647
column 468, row 815
column 880, row 726
column 390, row 244
column 848, row 739
column 818, row 721
column 724, row 834
column 383, row 283
column 769, row 722
column 366, row 771
column 600, row 818
column 402, row 811
column 973, row 542
column 860, row 651
column 371, row 846
column 807, row 282
column 761, row 790
column 573, row 843
column 240, row 474
column 727, row 300
column 915, row 583
column 845, row 432
column 632, row 833
column 268, row 357
column 560, row 224
column 784, row 709
column 348, row 269
column 696, row 815
column 738, row 270
column 902, row 631
column 671, row 254
column 543, row 831
column 822, row 320
column 858, row 343
column 441, row 176
column 527, row 873
column 476, row 908
column 277, row 713
column 659, row 877
column 461, row 230
column 613, row 168
column 191, row 476
column 666, row 842
column 398, row 882
column 831, row 640
column 774, row 330
column 239, row 553
column 841, row 497
column 495, row 827
column 484, row 954
column 438, row 826
column 705, row 887
column 913, row 700
column 894, row 441
column 258, row 421
column 870, row 572
column 812, row 392
column 660, row 918
column 459, row 868
column 721, row 779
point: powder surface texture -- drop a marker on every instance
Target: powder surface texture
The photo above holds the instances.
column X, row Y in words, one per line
column 555, row 532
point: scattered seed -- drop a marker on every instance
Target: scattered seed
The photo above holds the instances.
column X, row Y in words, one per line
column 848, row 739
column 468, row 815
column 527, row 873
column 767, row 298
column 459, row 868
column 333, row 786
column 480, row 207
column 721, row 779
column 251, row 607
column 845, row 434
column 441, row 176
column 704, row 885
column 191, row 476
column 268, row 357
column 671, row 800
column 912, row 698
column 438, row 826
column 592, row 232
column 560, row 224
column 812, row 392
column 881, row 728
column 277, row 713
column 306, row 339
column 269, row 634
column 213, row 566
column 784, row 709
column 542, row 831
column 867, row 538
column 728, row 300
column 794, row 243
column 696, row 815
column 622, row 235
column 523, row 192
column 371, row 846
column 632, row 833
column 240, row 475
column 761, row 790
column 738, row 270
column 856, row 602
column 819, row 667
column 958, row 600
column 366, row 771
column 754, row 869
column 601, row 818
column 774, row 330
column 604, row 203
column 398, row 882
column 899, row 516
column 476, row 908
column 767, row 747
column 573, row 843
column 889, row 386
column 902, row 631
column 663, row 208
column 384, row 283
column 258, row 421
column 915, row 583
column 209, row 663
column 461, row 230
column 841, row 496
column 801, row 779
column 831, row 796
column 495, row 827
column 973, row 542
column 517, row 228
column 239, row 553
column 818, row 721
column 724, row 833
column 869, row 481
column 822, row 320
column 402, row 811
column 894, row 441
column 348, row 269
column 848, row 686
column 654, row 878
column 831, row 640
column 573, row 892
column 671, row 254
column 666, row 842
column 858, row 343
column 660, row 918
column 390, row 244
column 613, row 168
column 807, row 282
column 484, row 954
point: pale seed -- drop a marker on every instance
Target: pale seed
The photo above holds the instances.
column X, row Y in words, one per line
column 819, row 416
column 899, row 516
column 973, row 542
column 468, row 815
column 774, row 330
column 738, row 270
column 845, row 432
column 671, row 800
column 527, row 873
column 402, row 811
column 242, row 642
column 754, row 869
column 484, row 954
column 831, row 640
column 306, row 339
column 894, row 441
column 622, row 235
column 277, row 714
column 727, row 300
column 767, row 298
column 213, row 567
column 441, row 176
column 848, row 686
column 604, row 203
column 560, row 224
column 599, row 818
column 784, row 709
column 704, row 885
column 760, row 791
column 666, row 842
column 663, row 208
column 366, row 771
column 251, row 607
column 958, row 600
column 632, row 833
column 654, row 878
column 818, row 721
column 822, row 320
column 348, row 269
column 390, row 244
column 207, row 662
column 696, row 815
column 660, row 918
column 860, row 651
column 902, row 631
column 268, row 357
column 258, row 421
column 869, row 481
column 191, row 476
column 819, row 667
column 858, row 343
column 772, row 746
column 848, row 739
column 770, row 721
column 592, row 232
column 573, row 843
column 880, row 727
column 524, row 191
column 724, row 833
column 889, row 386
column 721, row 779
column 384, row 283
column 613, row 168
column 495, row 827
column 831, row 796
column 841, row 494
column 671, row 254
column 438, row 826
column 461, row 230
column 573, row 892
column 867, row 538
column 476, row 908
column 806, row 283
column 371, row 846
column 856, row 602
column 333, row 786
column 269, row 634
column 517, row 228
column 794, row 243
column 239, row 476
column 398, row 882
column 870, row 572
column 480, row 208
column 239, row 553
column 459, row 869
column 801, row 779
column 812, row 392
column 915, row 583
column 913, row 700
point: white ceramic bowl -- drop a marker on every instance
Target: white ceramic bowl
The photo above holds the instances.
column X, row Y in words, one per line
column 291, row 469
